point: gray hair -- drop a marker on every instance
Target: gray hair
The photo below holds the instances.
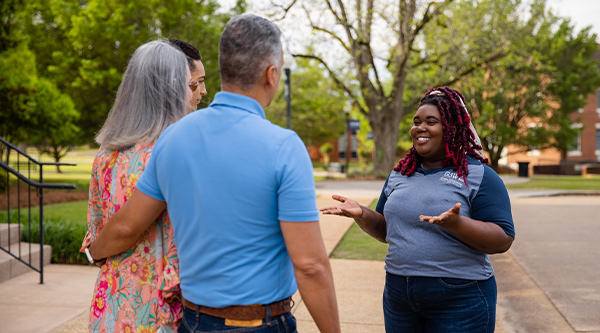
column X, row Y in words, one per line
column 248, row 46
column 151, row 96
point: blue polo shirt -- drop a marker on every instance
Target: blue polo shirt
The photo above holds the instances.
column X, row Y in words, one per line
column 418, row 248
column 228, row 177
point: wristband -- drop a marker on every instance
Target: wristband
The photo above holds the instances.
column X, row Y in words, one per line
column 91, row 259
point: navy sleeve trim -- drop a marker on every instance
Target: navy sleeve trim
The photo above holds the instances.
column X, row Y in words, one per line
column 492, row 204
column 382, row 197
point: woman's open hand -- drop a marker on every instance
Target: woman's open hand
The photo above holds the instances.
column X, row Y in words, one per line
column 348, row 208
column 447, row 219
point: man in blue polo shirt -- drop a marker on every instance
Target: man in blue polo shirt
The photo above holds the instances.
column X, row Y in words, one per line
column 240, row 195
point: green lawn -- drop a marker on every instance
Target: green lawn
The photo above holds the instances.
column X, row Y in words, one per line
column 78, row 174
column 559, row 183
column 356, row 244
column 75, row 212
column 72, row 211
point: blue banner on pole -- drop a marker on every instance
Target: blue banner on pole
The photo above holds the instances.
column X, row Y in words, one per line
column 353, row 124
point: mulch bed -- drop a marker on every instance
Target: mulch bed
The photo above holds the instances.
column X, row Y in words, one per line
column 50, row 197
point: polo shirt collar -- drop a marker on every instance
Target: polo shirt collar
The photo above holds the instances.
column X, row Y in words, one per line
column 422, row 170
column 239, row 102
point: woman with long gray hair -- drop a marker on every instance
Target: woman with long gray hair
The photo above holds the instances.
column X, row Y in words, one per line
column 137, row 290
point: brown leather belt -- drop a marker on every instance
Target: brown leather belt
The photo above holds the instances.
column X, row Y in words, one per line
column 243, row 312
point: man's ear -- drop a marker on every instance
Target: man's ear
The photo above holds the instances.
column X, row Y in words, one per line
column 271, row 76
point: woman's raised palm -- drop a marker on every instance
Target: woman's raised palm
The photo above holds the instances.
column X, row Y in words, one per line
column 348, row 208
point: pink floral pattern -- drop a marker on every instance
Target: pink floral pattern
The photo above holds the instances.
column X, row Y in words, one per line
column 138, row 290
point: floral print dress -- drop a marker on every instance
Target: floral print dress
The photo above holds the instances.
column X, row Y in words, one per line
column 137, row 290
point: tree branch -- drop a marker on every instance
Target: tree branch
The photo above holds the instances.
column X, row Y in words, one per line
column 493, row 57
column 427, row 17
column 337, row 18
column 430, row 61
column 285, row 9
column 336, row 37
column 333, row 76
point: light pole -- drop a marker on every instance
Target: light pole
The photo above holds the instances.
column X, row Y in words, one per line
column 288, row 61
column 348, row 138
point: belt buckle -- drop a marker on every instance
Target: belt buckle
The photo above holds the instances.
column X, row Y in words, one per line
column 243, row 323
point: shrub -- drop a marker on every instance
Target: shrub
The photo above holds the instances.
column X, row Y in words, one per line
column 64, row 236
column 325, row 150
column 3, row 183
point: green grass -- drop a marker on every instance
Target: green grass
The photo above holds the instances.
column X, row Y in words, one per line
column 71, row 211
column 80, row 172
column 356, row 244
column 559, row 183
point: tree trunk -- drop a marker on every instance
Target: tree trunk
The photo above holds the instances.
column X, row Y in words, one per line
column 57, row 156
column 495, row 155
column 385, row 136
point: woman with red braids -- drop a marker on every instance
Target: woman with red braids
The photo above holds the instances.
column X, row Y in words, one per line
column 442, row 211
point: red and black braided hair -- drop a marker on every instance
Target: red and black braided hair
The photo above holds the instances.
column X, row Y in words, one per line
column 457, row 134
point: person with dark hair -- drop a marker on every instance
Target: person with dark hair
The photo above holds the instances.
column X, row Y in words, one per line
column 241, row 197
column 198, row 75
column 439, row 277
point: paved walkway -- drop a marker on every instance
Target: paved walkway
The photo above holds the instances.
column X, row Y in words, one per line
column 547, row 282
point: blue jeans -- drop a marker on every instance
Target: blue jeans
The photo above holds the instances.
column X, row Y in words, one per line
column 195, row 322
column 423, row 304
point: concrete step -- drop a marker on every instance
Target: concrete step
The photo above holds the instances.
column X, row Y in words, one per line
column 10, row 267
column 10, row 233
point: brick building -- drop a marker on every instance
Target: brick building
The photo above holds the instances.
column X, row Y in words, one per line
column 586, row 148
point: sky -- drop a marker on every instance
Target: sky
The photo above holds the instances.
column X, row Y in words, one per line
column 582, row 13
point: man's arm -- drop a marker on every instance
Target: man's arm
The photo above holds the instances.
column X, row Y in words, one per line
column 313, row 272
column 125, row 226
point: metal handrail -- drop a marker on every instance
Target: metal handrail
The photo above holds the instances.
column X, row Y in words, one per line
column 40, row 186
column 13, row 147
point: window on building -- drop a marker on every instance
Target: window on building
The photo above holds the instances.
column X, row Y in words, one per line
column 575, row 146
column 597, row 139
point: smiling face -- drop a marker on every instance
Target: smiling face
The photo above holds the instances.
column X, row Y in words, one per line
column 197, row 85
column 427, row 136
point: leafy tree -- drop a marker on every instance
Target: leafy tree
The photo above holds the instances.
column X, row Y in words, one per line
column 17, row 73
column 325, row 150
column 55, row 121
column 317, row 105
column 514, row 69
column 574, row 76
column 378, row 40
column 85, row 45
column 33, row 109
column 525, row 98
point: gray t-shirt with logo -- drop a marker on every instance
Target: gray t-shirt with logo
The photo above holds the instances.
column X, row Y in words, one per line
column 418, row 248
